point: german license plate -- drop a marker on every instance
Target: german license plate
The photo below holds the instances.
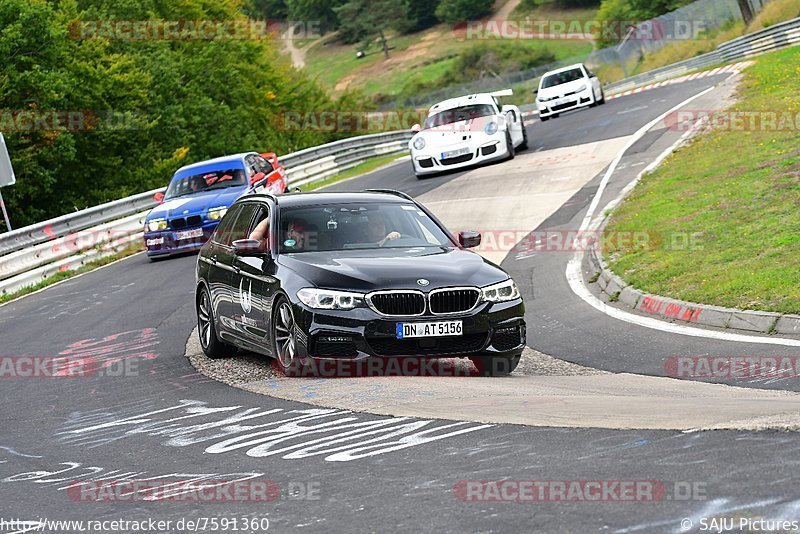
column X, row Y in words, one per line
column 432, row 329
column 455, row 153
column 563, row 101
column 189, row 234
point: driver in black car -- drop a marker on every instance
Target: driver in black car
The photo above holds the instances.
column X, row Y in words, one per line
column 376, row 231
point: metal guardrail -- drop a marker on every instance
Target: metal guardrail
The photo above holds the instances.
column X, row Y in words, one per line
column 31, row 254
column 775, row 37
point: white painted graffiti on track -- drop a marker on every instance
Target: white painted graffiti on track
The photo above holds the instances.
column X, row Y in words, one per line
column 72, row 476
column 339, row 436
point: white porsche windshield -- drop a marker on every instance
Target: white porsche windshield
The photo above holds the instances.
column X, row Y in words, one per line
column 459, row 114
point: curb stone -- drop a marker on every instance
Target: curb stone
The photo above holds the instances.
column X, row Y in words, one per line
column 690, row 312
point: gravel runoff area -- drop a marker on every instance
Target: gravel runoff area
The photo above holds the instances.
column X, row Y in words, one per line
column 245, row 367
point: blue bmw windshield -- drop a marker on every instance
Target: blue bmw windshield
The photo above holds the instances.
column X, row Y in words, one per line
column 206, row 181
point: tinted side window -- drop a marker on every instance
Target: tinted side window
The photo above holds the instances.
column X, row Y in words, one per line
column 241, row 228
column 223, row 232
column 263, row 165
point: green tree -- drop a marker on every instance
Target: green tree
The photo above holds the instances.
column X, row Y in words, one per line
column 365, row 20
column 632, row 10
column 317, row 11
column 268, row 9
column 421, row 14
column 455, row 11
column 173, row 101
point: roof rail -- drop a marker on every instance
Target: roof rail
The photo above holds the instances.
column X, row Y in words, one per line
column 253, row 193
column 390, row 192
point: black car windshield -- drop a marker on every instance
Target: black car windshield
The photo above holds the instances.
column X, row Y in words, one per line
column 562, row 77
column 459, row 114
column 336, row 227
column 206, row 181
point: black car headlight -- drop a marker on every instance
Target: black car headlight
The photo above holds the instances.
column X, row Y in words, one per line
column 327, row 299
column 502, row 292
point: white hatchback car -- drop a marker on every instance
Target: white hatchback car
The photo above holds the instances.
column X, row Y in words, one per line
column 568, row 88
column 466, row 131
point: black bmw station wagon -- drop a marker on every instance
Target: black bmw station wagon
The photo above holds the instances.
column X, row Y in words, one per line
column 309, row 276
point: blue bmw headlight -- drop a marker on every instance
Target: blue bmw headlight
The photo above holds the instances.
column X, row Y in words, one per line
column 154, row 225
column 215, row 214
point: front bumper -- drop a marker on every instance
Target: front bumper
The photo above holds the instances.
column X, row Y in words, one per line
column 428, row 161
column 570, row 102
column 491, row 329
column 165, row 242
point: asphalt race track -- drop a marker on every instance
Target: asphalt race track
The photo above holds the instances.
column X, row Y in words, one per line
column 145, row 413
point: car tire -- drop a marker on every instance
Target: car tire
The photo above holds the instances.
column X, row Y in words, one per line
column 510, row 146
column 602, row 98
column 211, row 345
column 524, row 144
column 284, row 339
column 496, row 365
column 544, row 118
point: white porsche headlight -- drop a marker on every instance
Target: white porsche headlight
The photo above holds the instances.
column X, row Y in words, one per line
column 490, row 128
column 155, row 225
column 502, row 292
column 215, row 214
column 327, row 299
column 419, row 143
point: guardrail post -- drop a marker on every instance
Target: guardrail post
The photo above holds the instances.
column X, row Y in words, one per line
column 5, row 213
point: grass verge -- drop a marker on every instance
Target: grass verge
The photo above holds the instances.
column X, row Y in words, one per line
column 361, row 168
column 726, row 207
column 65, row 275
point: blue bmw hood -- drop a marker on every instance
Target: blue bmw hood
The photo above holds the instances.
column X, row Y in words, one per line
column 196, row 204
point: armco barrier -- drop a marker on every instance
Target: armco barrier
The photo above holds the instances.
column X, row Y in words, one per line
column 31, row 254
column 773, row 38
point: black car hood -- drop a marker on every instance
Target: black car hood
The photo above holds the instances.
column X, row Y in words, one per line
column 368, row 270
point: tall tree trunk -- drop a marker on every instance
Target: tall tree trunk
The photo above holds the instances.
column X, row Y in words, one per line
column 747, row 12
column 386, row 45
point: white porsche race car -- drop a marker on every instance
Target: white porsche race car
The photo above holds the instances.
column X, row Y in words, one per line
column 466, row 131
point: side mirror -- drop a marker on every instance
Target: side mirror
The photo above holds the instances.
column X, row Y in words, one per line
column 247, row 247
column 469, row 239
column 159, row 197
column 257, row 177
column 535, row 91
column 416, row 128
